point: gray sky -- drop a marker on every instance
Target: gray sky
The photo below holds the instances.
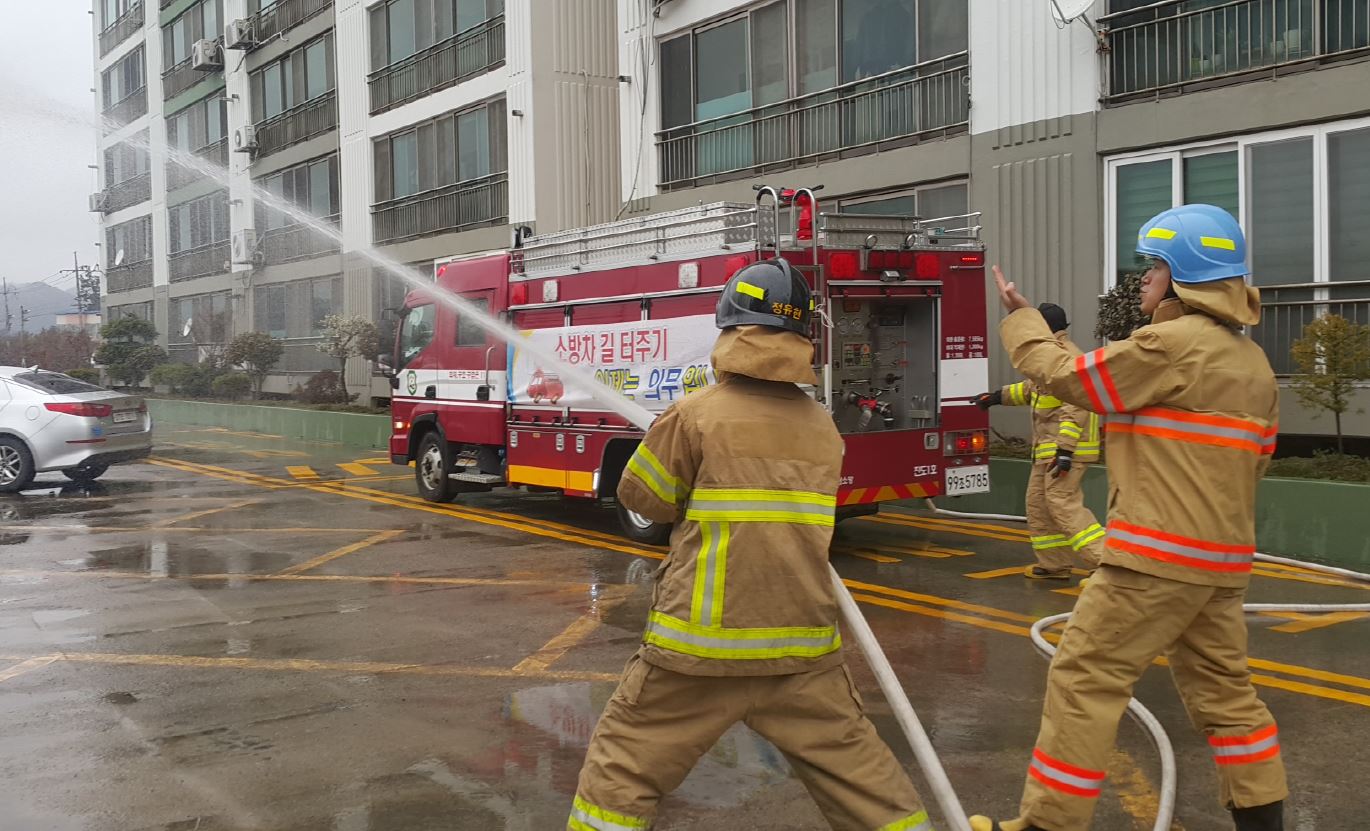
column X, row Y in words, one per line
column 44, row 149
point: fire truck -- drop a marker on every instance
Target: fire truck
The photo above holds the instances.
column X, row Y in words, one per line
column 899, row 345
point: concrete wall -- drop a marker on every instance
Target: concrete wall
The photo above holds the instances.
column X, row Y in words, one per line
column 366, row 432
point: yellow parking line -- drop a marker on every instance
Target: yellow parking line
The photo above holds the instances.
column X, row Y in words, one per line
column 303, row 578
column 934, row 600
column 573, row 635
column 914, row 522
column 1304, row 622
column 301, row 471
column 24, row 667
column 198, row 514
column 358, row 469
column 865, row 554
column 342, row 552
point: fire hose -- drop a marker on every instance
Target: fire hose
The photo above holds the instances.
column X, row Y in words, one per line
column 1165, row 810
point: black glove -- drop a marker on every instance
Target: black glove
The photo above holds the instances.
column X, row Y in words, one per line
column 1061, row 464
column 985, row 400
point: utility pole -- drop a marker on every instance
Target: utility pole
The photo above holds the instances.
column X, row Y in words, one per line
column 23, row 334
column 87, row 288
column 7, row 291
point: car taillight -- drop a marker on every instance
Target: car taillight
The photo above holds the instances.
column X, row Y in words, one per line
column 142, row 409
column 844, row 265
column 82, row 410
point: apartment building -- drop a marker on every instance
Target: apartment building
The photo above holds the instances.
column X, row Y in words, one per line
column 422, row 128
column 1066, row 136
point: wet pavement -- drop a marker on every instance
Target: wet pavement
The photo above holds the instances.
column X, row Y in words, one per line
column 251, row 633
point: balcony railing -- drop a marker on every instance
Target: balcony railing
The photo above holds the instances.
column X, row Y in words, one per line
column 179, row 175
column 1178, row 45
column 930, row 99
column 118, row 31
column 284, row 15
column 128, row 277
column 1286, row 309
column 128, row 193
column 180, row 78
column 199, row 262
column 133, row 105
column 452, row 208
column 297, row 242
column 299, row 123
column 464, row 55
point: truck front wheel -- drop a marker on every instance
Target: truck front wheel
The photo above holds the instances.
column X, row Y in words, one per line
column 431, row 469
column 639, row 528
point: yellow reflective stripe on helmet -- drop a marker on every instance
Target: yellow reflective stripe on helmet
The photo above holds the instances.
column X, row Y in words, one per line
column 1218, row 242
column 585, row 815
column 649, row 469
column 706, row 602
column 1161, row 233
column 917, row 822
column 743, row 287
column 740, row 644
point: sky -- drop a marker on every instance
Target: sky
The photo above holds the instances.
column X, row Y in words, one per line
column 46, row 140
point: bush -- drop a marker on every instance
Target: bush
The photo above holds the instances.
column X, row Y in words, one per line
column 257, row 353
column 323, row 388
column 172, row 376
column 85, row 373
column 1120, row 309
column 232, row 386
column 1324, row 465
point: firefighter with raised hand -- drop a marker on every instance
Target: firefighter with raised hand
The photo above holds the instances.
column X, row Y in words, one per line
column 1191, row 414
column 743, row 624
column 1065, row 439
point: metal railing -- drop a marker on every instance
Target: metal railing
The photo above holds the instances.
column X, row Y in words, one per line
column 931, row 98
column 468, row 204
column 128, row 193
column 464, row 55
column 297, row 242
column 128, row 108
column 299, row 123
column 180, row 78
column 199, row 262
column 179, row 175
column 128, row 277
column 1287, row 309
column 1170, row 45
column 282, row 16
column 118, row 31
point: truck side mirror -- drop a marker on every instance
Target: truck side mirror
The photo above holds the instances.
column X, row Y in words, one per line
column 383, row 363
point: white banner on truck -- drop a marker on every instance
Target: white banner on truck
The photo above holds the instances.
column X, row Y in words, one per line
column 653, row 362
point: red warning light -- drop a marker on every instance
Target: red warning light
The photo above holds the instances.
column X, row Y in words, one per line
column 442, row 269
column 844, row 265
column 927, row 267
column 518, row 295
column 732, row 265
column 972, row 259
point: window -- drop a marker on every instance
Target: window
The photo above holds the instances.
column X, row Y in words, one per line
column 139, row 311
column 469, row 334
column 457, row 147
column 126, row 161
column 416, row 332
column 54, row 382
column 1348, row 175
column 296, row 309
column 201, row 125
column 1280, row 228
column 198, row 223
column 133, row 238
column 312, row 186
column 929, row 202
column 123, row 79
column 877, row 37
column 402, row 28
column 112, row 10
column 1143, row 190
column 300, row 76
column 199, row 22
column 210, row 316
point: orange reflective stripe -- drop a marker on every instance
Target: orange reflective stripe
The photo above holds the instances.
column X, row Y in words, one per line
column 1195, row 428
column 1173, row 548
column 1240, row 750
column 1092, row 367
column 1065, row 777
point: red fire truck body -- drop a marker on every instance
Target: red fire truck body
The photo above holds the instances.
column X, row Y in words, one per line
column 900, row 349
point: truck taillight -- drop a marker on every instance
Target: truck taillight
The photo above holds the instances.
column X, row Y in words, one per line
column 732, row 265
column 518, row 295
column 82, row 410
column 965, row 443
column 973, row 259
column 927, row 267
column 844, row 265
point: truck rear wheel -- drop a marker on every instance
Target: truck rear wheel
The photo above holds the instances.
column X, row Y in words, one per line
column 432, row 467
column 639, row 528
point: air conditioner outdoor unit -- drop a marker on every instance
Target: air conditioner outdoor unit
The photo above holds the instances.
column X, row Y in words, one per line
column 244, row 247
column 238, row 34
column 245, row 139
column 206, row 56
column 98, row 202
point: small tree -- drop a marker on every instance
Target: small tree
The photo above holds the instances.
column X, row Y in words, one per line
column 348, row 337
column 1333, row 354
column 1120, row 309
column 175, row 377
column 257, row 353
column 232, row 386
column 128, row 352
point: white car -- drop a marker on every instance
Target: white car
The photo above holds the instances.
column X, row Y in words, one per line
column 50, row 422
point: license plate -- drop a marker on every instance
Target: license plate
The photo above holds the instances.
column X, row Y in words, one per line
column 125, row 417
column 963, row 480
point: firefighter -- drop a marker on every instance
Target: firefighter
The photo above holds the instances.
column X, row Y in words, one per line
column 1065, row 439
column 743, row 623
column 1191, row 413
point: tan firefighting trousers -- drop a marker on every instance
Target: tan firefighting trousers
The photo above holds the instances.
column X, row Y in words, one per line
column 1123, row 621
column 1062, row 530
column 659, row 723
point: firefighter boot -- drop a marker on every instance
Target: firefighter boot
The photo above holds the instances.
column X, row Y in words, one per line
column 1261, row 818
column 982, row 823
column 1036, row 572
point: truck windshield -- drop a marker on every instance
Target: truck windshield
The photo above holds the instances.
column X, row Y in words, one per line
column 416, row 332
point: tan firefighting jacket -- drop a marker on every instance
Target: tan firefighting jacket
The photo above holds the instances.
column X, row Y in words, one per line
column 748, row 471
column 1191, row 416
column 1056, row 425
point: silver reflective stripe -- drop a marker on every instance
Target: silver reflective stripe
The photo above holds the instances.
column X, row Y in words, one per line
column 1066, row 778
column 739, row 640
column 1092, row 367
column 641, row 464
column 1253, row 434
column 712, row 564
column 1177, row 548
column 1247, row 749
column 740, row 510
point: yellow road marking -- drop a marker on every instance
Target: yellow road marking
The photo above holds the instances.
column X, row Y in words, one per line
column 208, row 512
column 301, row 471
column 934, row 600
column 1311, row 689
column 1134, row 790
column 1305, row 622
column 28, row 666
column 942, row 614
column 1264, row 570
column 993, row 573
column 184, row 529
column 379, row 460
column 957, row 524
column 304, row 578
column 374, row 539
column 914, row 522
column 864, row 554
column 573, row 635
column 1073, row 591
column 359, row 469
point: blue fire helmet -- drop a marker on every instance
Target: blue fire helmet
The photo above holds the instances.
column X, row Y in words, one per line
column 1200, row 243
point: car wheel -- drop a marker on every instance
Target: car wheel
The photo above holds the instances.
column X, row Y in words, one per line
column 431, row 470
column 85, row 473
column 639, row 528
column 16, row 465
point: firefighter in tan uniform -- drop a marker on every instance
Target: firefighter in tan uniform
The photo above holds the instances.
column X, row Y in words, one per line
column 743, row 624
column 1191, row 421
column 1065, row 439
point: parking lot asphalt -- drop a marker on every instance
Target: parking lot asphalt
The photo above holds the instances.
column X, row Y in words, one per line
column 255, row 633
